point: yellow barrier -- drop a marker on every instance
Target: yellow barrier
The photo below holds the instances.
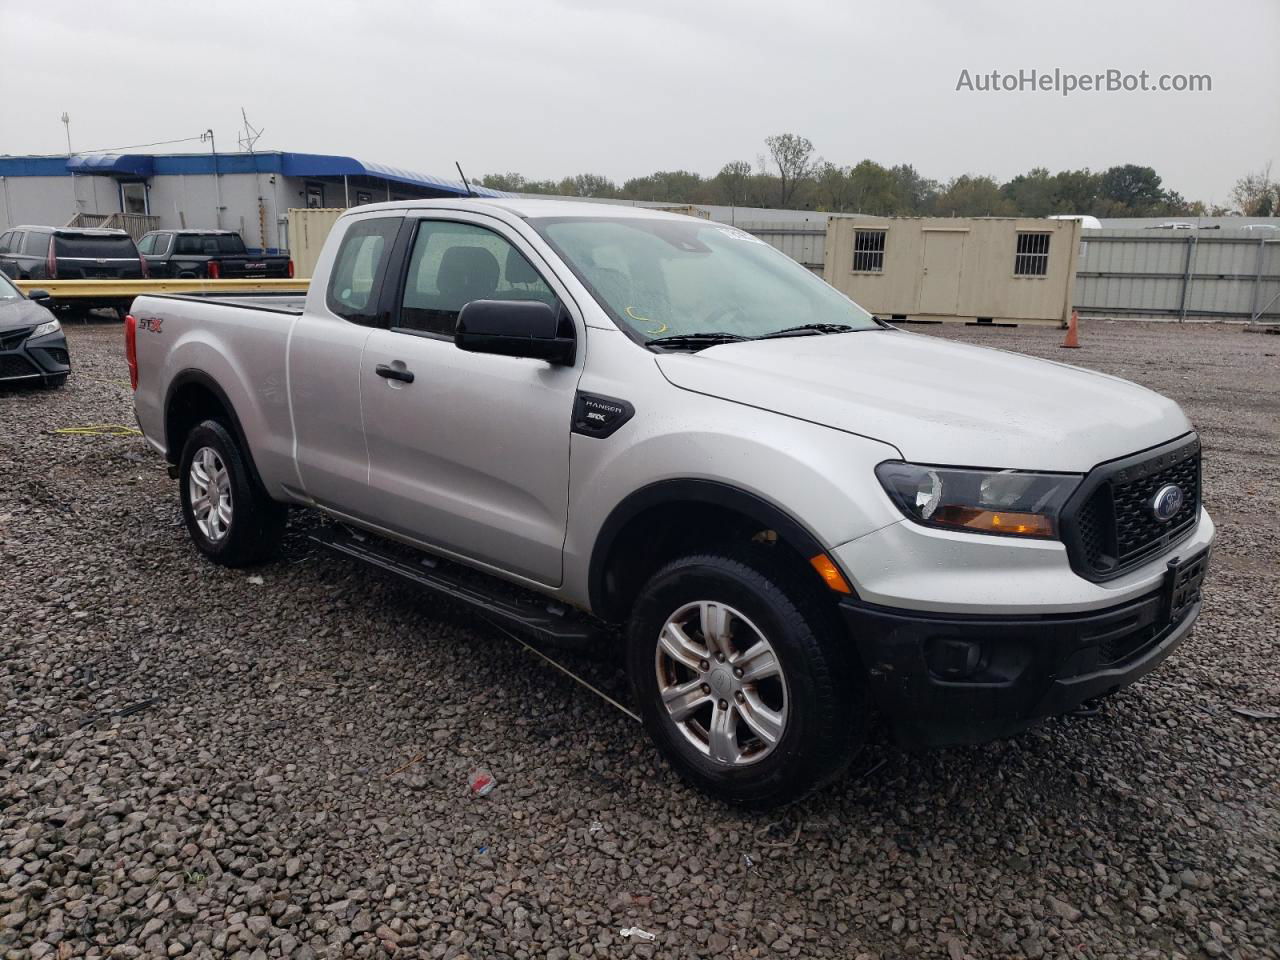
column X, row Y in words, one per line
column 70, row 289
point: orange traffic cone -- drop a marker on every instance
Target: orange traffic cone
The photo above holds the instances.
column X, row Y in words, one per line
column 1073, row 332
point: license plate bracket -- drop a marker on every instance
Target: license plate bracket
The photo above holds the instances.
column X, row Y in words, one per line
column 1183, row 582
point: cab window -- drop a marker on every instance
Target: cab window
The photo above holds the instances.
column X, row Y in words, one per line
column 358, row 267
column 452, row 264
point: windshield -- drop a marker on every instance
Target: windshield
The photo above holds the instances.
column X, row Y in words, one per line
column 7, row 290
column 663, row 278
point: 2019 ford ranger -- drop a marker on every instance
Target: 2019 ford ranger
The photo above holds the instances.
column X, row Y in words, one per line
column 577, row 417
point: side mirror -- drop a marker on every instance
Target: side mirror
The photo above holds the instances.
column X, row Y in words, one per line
column 516, row 328
column 39, row 296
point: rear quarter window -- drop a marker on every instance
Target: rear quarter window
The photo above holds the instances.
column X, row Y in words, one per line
column 358, row 269
column 97, row 248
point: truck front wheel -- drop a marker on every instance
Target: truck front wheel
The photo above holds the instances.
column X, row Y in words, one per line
column 744, row 678
column 230, row 518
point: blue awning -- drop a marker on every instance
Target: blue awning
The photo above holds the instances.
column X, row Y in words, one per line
column 113, row 164
column 322, row 165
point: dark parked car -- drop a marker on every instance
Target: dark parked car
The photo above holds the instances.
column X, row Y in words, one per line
column 189, row 254
column 72, row 253
column 32, row 345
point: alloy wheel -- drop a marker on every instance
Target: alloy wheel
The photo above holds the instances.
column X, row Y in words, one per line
column 209, row 489
column 721, row 683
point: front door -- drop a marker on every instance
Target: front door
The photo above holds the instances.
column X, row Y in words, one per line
column 471, row 456
column 940, row 278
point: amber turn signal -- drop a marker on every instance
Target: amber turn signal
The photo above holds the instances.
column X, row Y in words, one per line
column 830, row 573
column 996, row 521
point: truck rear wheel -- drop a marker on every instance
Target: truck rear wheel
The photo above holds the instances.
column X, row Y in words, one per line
column 744, row 678
column 230, row 518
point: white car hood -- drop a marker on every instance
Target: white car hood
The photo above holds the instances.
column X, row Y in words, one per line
column 937, row 401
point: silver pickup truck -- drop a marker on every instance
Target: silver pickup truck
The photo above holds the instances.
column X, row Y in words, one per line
column 609, row 425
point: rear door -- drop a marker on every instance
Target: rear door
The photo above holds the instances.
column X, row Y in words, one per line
column 8, row 265
column 325, row 358
column 33, row 257
column 472, row 456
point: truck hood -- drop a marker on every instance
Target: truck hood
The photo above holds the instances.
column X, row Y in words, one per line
column 938, row 401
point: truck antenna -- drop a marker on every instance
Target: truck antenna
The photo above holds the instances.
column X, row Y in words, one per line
column 470, row 192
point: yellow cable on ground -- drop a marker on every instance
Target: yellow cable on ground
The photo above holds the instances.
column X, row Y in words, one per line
column 100, row 430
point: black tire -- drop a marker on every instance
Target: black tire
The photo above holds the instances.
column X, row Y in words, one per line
column 53, row 383
column 826, row 708
column 256, row 523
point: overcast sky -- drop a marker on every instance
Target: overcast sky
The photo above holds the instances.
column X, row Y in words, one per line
column 624, row 88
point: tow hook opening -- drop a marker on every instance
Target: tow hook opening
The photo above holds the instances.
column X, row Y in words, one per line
column 1089, row 708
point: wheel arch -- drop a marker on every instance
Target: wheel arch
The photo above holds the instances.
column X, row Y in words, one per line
column 193, row 395
column 645, row 514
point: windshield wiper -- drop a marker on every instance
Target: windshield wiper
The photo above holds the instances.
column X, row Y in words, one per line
column 696, row 341
column 806, row 330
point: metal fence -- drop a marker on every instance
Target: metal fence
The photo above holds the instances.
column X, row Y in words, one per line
column 1190, row 274
column 136, row 224
column 804, row 243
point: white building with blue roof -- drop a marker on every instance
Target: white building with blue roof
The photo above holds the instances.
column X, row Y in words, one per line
column 248, row 192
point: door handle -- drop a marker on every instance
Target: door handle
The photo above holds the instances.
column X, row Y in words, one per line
column 391, row 373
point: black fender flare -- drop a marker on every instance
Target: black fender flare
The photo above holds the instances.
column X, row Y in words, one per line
column 767, row 514
column 190, row 376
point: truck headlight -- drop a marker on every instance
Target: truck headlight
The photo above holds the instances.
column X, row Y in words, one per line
column 49, row 326
column 1006, row 502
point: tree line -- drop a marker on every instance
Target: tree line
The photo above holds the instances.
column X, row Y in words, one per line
column 788, row 175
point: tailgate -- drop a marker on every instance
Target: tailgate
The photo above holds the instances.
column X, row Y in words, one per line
column 93, row 269
column 250, row 267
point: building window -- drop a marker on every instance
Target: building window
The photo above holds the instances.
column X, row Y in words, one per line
column 133, row 197
column 315, row 195
column 868, row 251
column 363, row 197
column 1032, row 258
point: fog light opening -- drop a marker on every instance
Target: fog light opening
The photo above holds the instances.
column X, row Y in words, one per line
column 951, row 659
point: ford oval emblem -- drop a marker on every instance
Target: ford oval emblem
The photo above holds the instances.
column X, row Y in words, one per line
column 1167, row 502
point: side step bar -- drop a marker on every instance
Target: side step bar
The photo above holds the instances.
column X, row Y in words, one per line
column 494, row 599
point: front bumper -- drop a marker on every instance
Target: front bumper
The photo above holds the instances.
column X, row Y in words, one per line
column 968, row 679
column 36, row 358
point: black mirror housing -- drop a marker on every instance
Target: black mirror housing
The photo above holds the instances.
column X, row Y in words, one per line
column 516, row 328
column 39, row 296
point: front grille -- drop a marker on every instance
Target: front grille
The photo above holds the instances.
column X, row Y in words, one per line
column 13, row 365
column 1111, row 528
column 1138, row 532
column 11, row 338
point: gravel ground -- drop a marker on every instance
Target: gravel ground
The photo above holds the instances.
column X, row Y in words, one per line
column 196, row 762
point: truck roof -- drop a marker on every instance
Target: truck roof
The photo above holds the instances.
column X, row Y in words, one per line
column 527, row 207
